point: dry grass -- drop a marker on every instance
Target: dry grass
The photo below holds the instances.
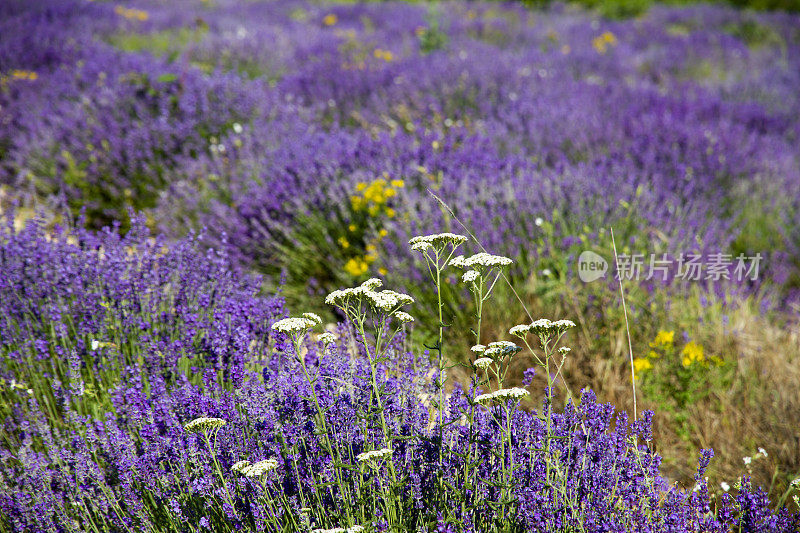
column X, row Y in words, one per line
column 761, row 408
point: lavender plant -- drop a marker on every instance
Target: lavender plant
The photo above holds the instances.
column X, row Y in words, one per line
column 298, row 433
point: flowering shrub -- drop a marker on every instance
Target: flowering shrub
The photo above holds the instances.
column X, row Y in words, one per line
column 165, row 396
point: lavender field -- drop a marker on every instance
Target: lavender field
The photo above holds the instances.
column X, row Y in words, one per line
column 396, row 266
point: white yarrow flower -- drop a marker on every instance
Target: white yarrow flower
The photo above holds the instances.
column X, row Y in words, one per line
column 403, row 317
column 326, row 338
column 374, row 455
column 313, row 317
column 762, row 452
column 520, row 330
column 203, row 424
column 293, row 325
column 439, row 239
column 480, row 261
column 724, row 486
column 483, row 363
column 260, row 468
column 95, row 345
column 478, row 348
column 240, row 466
column 747, row 460
column 470, row 276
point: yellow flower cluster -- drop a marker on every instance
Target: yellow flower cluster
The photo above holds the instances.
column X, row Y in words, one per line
column 692, row 353
column 24, row 75
column 603, row 41
column 373, row 197
column 386, row 55
column 330, row 19
column 131, row 14
column 358, row 266
column 27, row 75
column 640, row 364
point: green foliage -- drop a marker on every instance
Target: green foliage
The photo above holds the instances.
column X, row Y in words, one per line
column 166, row 43
column 675, row 376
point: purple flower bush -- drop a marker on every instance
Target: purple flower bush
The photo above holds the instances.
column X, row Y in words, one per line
column 147, row 386
column 688, row 115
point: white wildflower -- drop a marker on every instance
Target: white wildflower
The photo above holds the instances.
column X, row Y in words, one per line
column 545, row 328
column 420, row 246
column 546, row 272
column 470, row 276
column 293, row 325
column 372, row 284
column 439, row 240
column 260, row 468
column 564, row 350
column 747, row 460
column 240, row 466
column 203, row 424
column 403, row 317
column 514, row 393
column 313, row 317
column 478, row 348
column 332, row 530
column 374, row 455
column 795, row 483
column 520, row 330
column 480, row 261
column 95, row 345
column 237, row 128
column 762, row 452
column 458, row 262
column 539, row 221
column 724, row 486
column 484, row 398
column 501, row 349
column 482, row 363
column 327, row 338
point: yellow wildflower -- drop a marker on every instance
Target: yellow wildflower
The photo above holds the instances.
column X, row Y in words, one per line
column 399, row 184
column 640, row 364
column 360, row 186
column 352, row 227
column 383, row 233
column 692, row 353
column 663, row 338
column 603, row 41
column 330, row 19
column 356, row 266
column 343, row 242
column 390, row 212
column 24, row 75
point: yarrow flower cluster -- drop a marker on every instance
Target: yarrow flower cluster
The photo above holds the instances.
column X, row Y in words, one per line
column 470, row 276
column 483, row 363
column 295, row 325
column 326, row 338
column 374, row 455
column 480, row 261
column 353, row 529
column 514, row 393
column 545, row 328
column 501, row 349
column 204, row 424
column 403, row 317
column 257, row 469
column 386, row 301
column 437, row 241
